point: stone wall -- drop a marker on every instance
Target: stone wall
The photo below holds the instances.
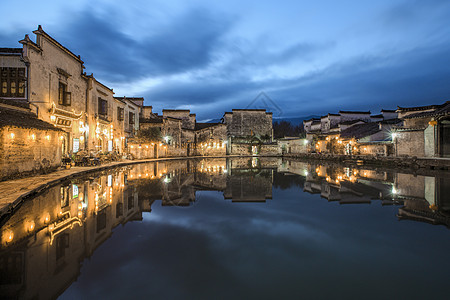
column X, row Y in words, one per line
column 154, row 150
column 216, row 149
column 187, row 119
column 430, row 141
column 47, row 69
column 247, row 149
column 410, row 186
column 241, row 149
column 377, row 149
column 410, row 143
column 294, row 146
column 171, row 131
column 245, row 123
column 28, row 151
column 143, row 151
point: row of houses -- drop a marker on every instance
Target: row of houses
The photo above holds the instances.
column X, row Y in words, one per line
column 421, row 131
column 241, row 131
column 51, row 108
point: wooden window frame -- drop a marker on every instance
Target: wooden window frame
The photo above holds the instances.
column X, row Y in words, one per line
column 64, row 97
column 120, row 113
column 12, row 82
column 102, row 107
column 131, row 118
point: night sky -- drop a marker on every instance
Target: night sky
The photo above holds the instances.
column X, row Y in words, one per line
column 309, row 57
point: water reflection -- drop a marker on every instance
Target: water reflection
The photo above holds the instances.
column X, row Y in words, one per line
column 45, row 242
column 422, row 198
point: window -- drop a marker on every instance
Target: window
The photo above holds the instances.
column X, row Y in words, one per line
column 102, row 106
column 131, row 117
column 12, row 82
column 101, row 220
column 62, row 243
column 120, row 113
column 64, row 97
column 119, row 210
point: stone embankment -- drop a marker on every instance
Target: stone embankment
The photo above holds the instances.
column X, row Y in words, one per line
column 14, row 192
column 413, row 163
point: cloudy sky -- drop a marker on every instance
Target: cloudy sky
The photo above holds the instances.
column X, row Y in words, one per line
column 309, row 57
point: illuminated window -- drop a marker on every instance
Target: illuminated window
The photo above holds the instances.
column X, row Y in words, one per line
column 12, row 82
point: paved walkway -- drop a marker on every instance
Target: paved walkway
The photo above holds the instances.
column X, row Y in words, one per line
column 12, row 192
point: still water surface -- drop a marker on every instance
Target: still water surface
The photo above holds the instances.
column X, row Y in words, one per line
column 232, row 229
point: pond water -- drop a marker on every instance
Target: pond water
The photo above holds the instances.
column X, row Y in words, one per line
column 248, row 228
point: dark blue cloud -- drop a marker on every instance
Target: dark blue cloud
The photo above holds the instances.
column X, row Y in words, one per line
column 212, row 61
column 416, row 77
column 187, row 42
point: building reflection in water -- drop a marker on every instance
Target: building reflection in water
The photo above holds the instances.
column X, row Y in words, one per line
column 45, row 242
column 421, row 198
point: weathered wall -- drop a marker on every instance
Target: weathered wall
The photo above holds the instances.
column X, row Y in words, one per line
column 143, row 151
column 172, row 131
column 296, row 146
column 244, row 123
column 430, row 142
column 211, row 149
column 240, row 149
column 410, row 143
column 269, row 149
column 171, row 151
column 44, row 78
column 30, row 150
column 246, row 149
column 416, row 122
column 408, row 185
column 49, row 67
column 376, row 149
column 187, row 119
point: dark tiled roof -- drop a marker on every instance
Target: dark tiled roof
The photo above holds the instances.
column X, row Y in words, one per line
column 360, row 130
column 415, row 108
column 351, row 122
column 11, row 50
column 354, row 112
column 441, row 110
column 391, row 121
column 11, row 117
column 312, row 120
column 151, row 120
column 18, row 103
column 199, row 126
column 388, row 110
column 377, row 116
column 248, row 109
column 177, row 110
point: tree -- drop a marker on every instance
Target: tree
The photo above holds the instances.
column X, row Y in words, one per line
column 284, row 128
column 151, row 134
